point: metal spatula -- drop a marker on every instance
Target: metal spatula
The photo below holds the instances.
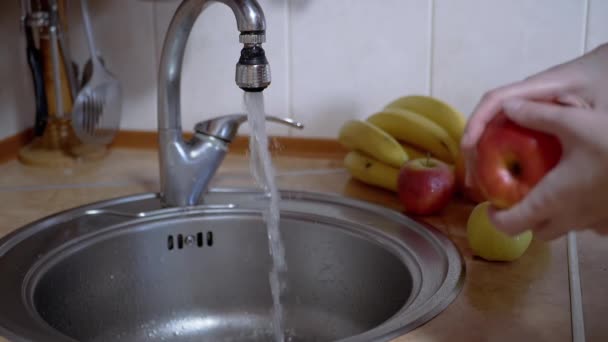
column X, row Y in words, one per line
column 97, row 109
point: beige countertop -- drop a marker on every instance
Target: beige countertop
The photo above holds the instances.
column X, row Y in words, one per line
column 526, row 300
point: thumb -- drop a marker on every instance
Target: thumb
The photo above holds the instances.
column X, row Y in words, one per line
column 533, row 210
column 518, row 219
column 545, row 117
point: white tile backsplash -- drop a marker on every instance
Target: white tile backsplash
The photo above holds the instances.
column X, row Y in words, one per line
column 597, row 25
column 330, row 60
column 350, row 58
column 482, row 44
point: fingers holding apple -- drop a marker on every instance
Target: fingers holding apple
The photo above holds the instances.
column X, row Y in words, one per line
column 510, row 161
column 425, row 185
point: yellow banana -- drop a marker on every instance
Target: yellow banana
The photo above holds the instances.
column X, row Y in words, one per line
column 415, row 129
column 369, row 139
column 414, row 152
column 371, row 171
column 436, row 110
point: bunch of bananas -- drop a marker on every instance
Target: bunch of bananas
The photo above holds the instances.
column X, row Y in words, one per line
column 408, row 128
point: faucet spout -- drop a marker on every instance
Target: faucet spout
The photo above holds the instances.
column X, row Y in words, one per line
column 251, row 23
column 186, row 167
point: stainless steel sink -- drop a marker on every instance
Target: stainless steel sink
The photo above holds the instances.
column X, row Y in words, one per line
column 128, row 270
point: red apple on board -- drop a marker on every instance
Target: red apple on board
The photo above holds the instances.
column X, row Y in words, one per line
column 425, row 185
column 512, row 159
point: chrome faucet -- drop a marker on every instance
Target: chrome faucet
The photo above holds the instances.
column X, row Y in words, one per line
column 186, row 167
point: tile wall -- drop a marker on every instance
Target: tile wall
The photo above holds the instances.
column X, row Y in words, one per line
column 331, row 60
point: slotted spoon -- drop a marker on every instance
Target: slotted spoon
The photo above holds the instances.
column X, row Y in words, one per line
column 97, row 108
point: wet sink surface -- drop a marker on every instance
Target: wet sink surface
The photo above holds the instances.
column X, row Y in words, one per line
column 128, row 270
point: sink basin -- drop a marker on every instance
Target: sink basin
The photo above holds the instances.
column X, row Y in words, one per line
column 128, row 270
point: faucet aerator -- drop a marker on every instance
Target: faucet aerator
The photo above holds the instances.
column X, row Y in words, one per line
column 252, row 70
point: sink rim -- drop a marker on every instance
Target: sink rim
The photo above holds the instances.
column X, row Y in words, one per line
column 441, row 298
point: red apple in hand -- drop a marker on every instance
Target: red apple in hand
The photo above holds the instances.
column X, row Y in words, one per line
column 512, row 159
column 425, row 185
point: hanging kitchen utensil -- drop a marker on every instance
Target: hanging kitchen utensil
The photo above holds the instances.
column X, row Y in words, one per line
column 97, row 110
column 71, row 67
column 57, row 146
column 34, row 59
column 88, row 69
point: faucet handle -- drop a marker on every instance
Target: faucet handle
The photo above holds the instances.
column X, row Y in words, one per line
column 225, row 127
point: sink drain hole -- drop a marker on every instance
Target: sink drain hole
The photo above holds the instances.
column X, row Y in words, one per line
column 190, row 240
column 180, row 241
column 170, row 242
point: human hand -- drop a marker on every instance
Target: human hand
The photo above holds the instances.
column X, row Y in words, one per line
column 574, row 194
column 581, row 83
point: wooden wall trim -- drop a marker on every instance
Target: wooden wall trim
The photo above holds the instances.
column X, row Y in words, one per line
column 298, row 147
column 292, row 146
column 288, row 146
